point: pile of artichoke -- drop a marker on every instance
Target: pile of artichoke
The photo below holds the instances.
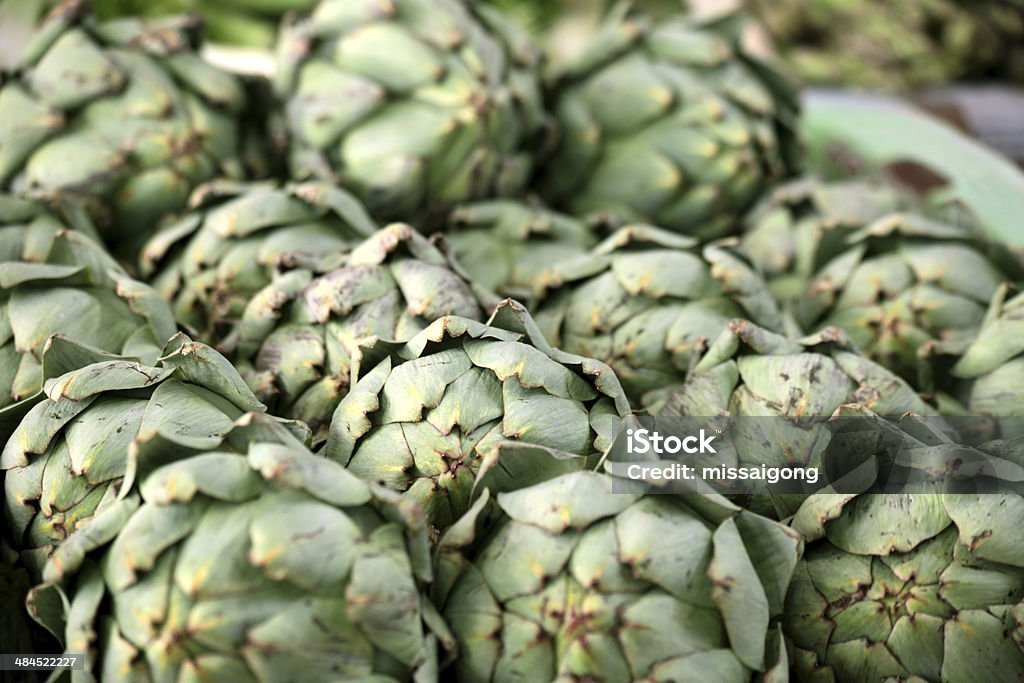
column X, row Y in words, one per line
column 324, row 375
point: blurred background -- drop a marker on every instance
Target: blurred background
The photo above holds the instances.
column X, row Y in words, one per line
column 962, row 60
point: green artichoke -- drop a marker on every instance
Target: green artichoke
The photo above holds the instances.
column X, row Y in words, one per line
column 414, row 105
column 803, row 224
column 991, row 370
column 265, row 564
column 101, row 425
column 508, row 247
column 897, row 45
column 855, row 255
column 581, row 581
column 911, row 587
column 54, row 280
column 235, row 237
column 907, row 288
column 669, row 122
column 295, row 340
column 122, row 116
column 463, row 400
column 749, row 372
column 644, row 299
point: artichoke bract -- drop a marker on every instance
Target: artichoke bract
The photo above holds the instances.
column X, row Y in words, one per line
column 295, row 340
column 414, row 105
column 907, row 290
column 102, row 423
column 464, row 401
column 267, row 564
column 582, row 581
column 991, row 370
column 917, row 586
column 669, row 122
column 122, row 116
column 645, row 299
column 235, row 237
column 508, row 246
column 803, row 224
column 56, row 280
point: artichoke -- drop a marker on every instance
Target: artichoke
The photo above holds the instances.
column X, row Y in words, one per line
column 463, row 400
column 507, row 246
column 212, row 260
column 583, row 581
column 669, row 122
column 923, row 586
column 749, row 372
column 856, row 255
column 803, row 224
column 55, row 280
column 414, row 105
column 265, row 564
column 991, row 370
column 906, row 288
column 644, row 299
column 122, row 116
column 296, row 338
column 103, row 422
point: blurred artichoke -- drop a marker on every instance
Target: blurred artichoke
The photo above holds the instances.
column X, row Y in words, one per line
column 54, row 280
column 414, row 105
column 912, row 587
column 462, row 400
column 235, row 237
column 122, row 116
column 644, row 299
column 805, row 223
column 269, row 564
column 296, row 338
column 898, row 45
column 669, row 122
column 507, row 246
column 581, row 581
column 103, row 423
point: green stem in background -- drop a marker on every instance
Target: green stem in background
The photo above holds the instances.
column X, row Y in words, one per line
column 872, row 133
column 109, row 9
column 236, row 27
column 270, row 7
